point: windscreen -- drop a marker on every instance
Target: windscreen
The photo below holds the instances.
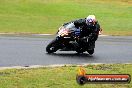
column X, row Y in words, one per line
column 70, row 26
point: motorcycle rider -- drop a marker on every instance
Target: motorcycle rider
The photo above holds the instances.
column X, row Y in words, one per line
column 89, row 28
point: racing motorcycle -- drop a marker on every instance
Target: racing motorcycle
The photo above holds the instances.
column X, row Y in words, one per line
column 68, row 39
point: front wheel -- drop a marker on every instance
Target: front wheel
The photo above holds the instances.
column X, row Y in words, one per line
column 51, row 47
column 91, row 51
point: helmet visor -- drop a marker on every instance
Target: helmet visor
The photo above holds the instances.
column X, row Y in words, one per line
column 89, row 21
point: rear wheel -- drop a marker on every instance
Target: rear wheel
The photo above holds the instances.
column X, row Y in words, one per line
column 80, row 50
column 91, row 51
column 52, row 47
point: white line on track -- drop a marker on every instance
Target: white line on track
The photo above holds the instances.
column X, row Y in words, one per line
column 52, row 66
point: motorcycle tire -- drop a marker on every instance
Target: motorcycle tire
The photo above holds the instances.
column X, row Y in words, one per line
column 91, row 51
column 51, row 47
column 79, row 51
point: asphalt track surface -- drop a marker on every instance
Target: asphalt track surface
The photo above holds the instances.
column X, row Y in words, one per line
column 30, row 50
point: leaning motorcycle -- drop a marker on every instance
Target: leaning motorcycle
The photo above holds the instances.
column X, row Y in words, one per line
column 68, row 39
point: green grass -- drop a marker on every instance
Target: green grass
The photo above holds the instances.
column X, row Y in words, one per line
column 45, row 16
column 60, row 77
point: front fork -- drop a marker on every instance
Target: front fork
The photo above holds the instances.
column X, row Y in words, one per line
column 61, row 42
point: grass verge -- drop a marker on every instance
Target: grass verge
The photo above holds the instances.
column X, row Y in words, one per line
column 57, row 77
column 42, row 16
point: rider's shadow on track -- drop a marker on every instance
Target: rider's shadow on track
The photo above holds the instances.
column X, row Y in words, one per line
column 82, row 55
